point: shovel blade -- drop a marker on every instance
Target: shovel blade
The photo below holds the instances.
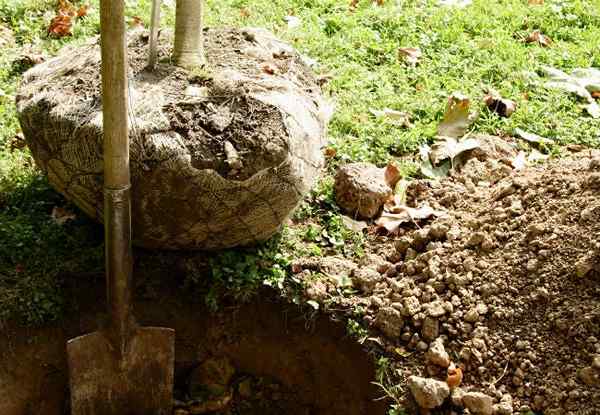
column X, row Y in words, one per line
column 139, row 382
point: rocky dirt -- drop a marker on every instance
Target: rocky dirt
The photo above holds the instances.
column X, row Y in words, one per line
column 494, row 307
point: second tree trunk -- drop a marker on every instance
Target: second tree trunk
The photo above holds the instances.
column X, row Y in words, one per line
column 189, row 40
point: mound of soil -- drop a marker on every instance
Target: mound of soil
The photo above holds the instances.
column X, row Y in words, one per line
column 219, row 155
column 508, row 280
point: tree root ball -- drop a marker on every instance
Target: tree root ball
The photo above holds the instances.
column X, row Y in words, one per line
column 220, row 155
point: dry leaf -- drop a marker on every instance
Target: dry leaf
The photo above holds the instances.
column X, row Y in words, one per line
column 60, row 26
column 449, row 148
column 392, row 175
column 83, row 10
column 457, row 117
column 535, row 156
column 136, row 21
column 269, row 68
column 293, row 22
column 501, row 106
column 583, row 82
column 244, row 12
column 519, row 161
column 60, row 215
column 410, row 55
column 399, row 118
column 354, row 225
column 353, row 5
column 532, row 138
column 596, row 94
column 427, row 169
column 392, row 221
column 537, row 37
column 18, row 142
column 535, row 2
column 455, row 376
column 330, row 152
column 62, row 23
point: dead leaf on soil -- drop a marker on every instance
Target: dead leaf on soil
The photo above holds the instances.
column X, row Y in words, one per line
column 60, row 215
column 244, row 12
column 583, row 82
column 329, row 152
column 399, row 118
column 457, row 117
column 269, row 68
column 535, row 2
column 532, row 138
column 535, row 157
column 62, row 24
column 449, row 148
column 18, row 142
column 392, row 175
column 392, row 221
column 354, row 225
column 427, row 169
column 83, row 10
column 136, row 21
column 410, row 55
column 519, row 161
column 501, row 106
column 538, row 37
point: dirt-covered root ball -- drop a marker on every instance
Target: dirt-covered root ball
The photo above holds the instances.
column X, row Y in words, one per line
column 220, row 155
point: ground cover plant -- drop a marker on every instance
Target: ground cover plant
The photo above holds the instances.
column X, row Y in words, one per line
column 365, row 54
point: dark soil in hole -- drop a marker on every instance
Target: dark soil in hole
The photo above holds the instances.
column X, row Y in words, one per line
column 281, row 361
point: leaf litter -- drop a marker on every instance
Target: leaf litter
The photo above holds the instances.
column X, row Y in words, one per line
column 583, row 82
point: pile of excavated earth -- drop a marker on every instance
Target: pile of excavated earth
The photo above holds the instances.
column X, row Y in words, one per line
column 492, row 306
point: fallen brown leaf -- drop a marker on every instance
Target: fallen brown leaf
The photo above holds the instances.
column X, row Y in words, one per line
column 330, row 152
column 60, row 215
column 136, row 21
column 410, row 55
column 596, row 94
column 535, row 2
column 392, row 175
column 62, row 23
column 83, row 10
column 400, row 118
column 269, row 68
column 391, row 221
column 18, row 142
column 538, row 37
column 501, row 106
column 244, row 12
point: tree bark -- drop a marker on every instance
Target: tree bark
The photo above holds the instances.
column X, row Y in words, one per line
column 189, row 40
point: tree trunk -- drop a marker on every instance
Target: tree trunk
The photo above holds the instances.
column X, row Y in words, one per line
column 189, row 40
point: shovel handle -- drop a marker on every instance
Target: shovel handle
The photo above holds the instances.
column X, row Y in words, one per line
column 117, row 197
column 154, row 26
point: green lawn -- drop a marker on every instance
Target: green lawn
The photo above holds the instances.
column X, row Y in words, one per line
column 464, row 49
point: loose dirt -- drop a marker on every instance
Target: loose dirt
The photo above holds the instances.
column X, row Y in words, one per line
column 509, row 279
column 265, row 356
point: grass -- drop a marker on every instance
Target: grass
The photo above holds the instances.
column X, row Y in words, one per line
column 466, row 50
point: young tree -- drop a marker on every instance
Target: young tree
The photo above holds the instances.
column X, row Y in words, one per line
column 189, row 41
